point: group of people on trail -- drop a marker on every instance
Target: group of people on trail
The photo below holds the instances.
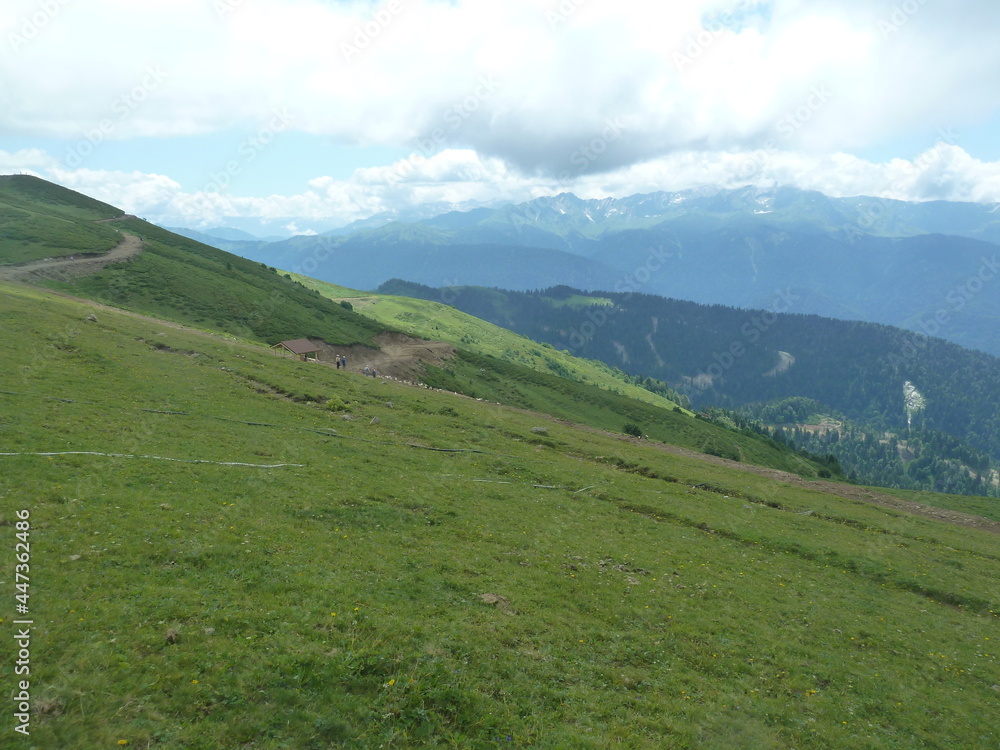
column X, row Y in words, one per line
column 342, row 364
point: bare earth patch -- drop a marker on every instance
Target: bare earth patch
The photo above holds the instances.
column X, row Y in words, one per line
column 398, row 356
column 502, row 603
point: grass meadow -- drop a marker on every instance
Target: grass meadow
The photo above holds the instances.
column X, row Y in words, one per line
column 280, row 555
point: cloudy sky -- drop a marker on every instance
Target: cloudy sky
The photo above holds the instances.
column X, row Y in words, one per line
column 301, row 115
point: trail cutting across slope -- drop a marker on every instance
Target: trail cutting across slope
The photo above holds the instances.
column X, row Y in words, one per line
column 74, row 265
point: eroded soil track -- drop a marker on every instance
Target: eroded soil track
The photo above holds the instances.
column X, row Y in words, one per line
column 398, row 355
column 74, row 265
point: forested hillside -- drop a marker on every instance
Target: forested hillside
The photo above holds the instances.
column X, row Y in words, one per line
column 910, row 458
column 730, row 357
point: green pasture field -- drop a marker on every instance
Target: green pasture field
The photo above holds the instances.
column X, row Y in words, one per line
column 275, row 554
column 986, row 507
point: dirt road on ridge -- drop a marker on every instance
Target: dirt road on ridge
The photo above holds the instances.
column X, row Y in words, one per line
column 76, row 265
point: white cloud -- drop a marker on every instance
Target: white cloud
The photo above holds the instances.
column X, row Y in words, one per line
column 25, row 160
column 503, row 101
column 293, row 228
column 133, row 192
column 397, row 71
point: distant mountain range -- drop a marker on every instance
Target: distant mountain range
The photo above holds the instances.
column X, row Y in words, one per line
column 928, row 267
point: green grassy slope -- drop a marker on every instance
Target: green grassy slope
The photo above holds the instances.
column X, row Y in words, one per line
column 985, row 507
column 37, row 194
column 173, row 277
column 184, row 280
column 441, row 322
column 640, row 599
column 508, row 383
column 40, row 220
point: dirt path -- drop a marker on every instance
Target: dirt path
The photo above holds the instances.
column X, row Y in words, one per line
column 398, row 356
column 75, row 265
column 115, row 218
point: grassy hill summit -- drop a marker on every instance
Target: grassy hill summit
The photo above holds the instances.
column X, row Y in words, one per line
column 34, row 194
column 39, row 219
column 230, row 548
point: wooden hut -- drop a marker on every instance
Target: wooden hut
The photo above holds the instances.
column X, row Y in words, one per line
column 304, row 349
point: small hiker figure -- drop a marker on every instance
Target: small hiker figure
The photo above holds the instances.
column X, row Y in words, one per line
column 367, row 371
column 374, row 373
column 343, row 362
column 337, row 360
